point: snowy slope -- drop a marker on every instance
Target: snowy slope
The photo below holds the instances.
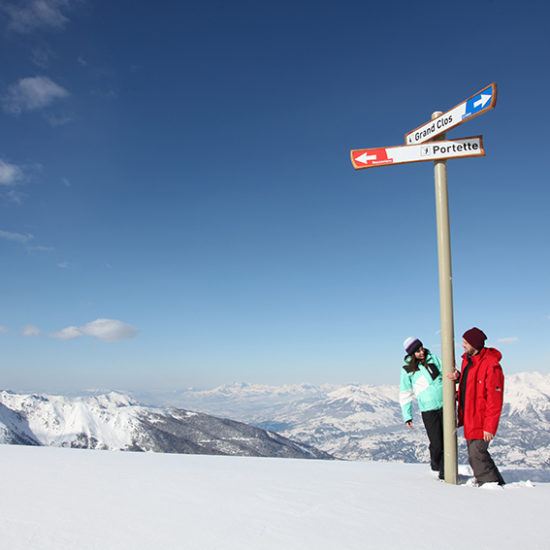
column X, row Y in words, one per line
column 106, row 421
column 67, row 499
column 14, row 428
column 346, row 420
column 113, row 421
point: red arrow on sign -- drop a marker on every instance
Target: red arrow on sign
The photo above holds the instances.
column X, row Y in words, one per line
column 370, row 157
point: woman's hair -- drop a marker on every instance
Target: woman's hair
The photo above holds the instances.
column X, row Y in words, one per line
column 412, row 361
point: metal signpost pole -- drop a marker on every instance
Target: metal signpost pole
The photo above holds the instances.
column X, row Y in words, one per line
column 447, row 324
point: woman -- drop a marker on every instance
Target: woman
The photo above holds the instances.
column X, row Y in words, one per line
column 421, row 378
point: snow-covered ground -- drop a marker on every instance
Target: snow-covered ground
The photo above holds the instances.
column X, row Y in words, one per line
column 61, row 499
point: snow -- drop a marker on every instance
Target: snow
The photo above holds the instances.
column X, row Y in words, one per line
column 56, row 420
column 526, row 390
column 58, row 498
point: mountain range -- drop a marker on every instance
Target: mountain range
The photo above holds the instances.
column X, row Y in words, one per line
column 351, row 422
column 363, row 422
column 116, row 422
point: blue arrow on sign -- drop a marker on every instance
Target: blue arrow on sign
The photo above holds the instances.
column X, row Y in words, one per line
column 478, row 103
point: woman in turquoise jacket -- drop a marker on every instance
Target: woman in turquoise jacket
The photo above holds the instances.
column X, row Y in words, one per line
column 421, row 378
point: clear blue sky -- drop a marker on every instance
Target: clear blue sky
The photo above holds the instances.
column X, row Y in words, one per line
column 178, row 207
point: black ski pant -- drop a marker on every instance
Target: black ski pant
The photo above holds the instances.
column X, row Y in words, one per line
column 485, row 470
column 433, row 422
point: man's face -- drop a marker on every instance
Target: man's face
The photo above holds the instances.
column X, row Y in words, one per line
column 470, row 350
column 420, row 354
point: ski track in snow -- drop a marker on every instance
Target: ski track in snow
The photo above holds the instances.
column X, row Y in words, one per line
column 61, row 499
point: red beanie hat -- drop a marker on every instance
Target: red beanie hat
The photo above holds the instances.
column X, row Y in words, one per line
column 475, row 337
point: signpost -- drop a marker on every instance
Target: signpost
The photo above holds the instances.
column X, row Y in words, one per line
column 420, row 147
column 450, row 452
column 476, row 105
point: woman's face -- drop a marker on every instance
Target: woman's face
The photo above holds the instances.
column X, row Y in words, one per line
column 420, row 354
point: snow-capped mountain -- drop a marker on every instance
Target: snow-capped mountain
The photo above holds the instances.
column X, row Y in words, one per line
column 362, row 422
column 355, row 422
column 115, row 421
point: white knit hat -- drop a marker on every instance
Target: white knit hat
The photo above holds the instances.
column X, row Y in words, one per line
column 411, row 345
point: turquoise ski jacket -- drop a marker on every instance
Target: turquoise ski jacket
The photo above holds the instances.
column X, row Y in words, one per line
column 426, row 384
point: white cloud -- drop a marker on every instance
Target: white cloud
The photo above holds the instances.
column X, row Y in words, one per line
column 29, row 15
column 15, row 196
column 32, row 93
column 3, row 329
column 16, row 237
column 31, row 330
column 64, row 265
column 23, row 239
column 10, row 174
column 68, row 333
column 511, row 340
column 106, row 330
column 109, row 330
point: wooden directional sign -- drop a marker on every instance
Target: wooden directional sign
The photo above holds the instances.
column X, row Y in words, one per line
column 476, row 105
column 436, row 150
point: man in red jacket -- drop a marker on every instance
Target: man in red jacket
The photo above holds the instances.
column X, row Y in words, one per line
column 480, row 393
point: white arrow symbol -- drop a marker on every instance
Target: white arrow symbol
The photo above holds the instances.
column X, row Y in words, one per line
column 483, row 100
column 364, row 158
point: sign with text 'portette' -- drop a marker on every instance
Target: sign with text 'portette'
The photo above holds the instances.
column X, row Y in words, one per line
column 436, row 150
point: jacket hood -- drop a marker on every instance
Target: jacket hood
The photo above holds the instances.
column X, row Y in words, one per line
column 489, row 352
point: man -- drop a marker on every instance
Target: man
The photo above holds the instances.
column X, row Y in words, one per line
column 480, row 393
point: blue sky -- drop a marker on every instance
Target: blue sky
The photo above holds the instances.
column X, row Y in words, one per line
column 178, row 207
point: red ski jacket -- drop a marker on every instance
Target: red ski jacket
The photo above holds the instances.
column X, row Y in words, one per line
column 480, row 393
